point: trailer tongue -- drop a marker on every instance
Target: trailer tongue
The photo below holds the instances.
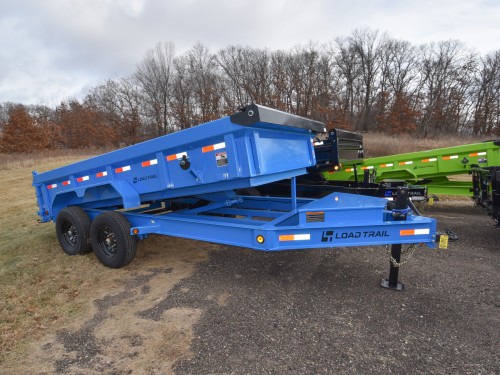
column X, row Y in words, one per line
column 184, row 184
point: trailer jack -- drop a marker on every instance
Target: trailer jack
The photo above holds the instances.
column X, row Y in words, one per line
column 402, row 201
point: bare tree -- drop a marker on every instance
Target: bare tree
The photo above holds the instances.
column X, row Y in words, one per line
column 487, row 96
column 203, row 71
column 234, row 63
column 367, row 46
column 120, row 103
column 154, row 77
column 347, row 67
column 445, row 72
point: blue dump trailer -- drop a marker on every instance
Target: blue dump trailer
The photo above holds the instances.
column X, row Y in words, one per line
column 184, row 184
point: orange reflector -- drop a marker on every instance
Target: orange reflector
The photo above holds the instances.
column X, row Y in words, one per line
column 135, row 231
column 407, row 232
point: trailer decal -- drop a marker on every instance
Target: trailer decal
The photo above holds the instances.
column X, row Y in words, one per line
column 295, row 237
column 176, row 156
column 217, row 146
column 122, row 169
column 81, row 179
column 221, row 158
column 149, row 162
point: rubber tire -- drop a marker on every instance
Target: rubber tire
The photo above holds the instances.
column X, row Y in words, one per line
column 111, row 223
column 79, row 226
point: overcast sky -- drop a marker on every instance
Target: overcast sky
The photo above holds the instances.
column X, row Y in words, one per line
column 52, row 50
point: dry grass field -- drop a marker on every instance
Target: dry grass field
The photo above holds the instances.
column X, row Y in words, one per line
column 378, row 144
column 45, row 292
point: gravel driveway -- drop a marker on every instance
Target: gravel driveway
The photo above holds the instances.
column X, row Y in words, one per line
column 303, row 312
column 323, row 312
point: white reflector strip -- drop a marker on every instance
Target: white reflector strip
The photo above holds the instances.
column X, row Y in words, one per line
column 295, row 237
column 422, row 231
column 84, row 178
column 53, row 186
column 66, row 183
column 218, row 146
column 318, row 143
column 405, row 162
column 101, row 174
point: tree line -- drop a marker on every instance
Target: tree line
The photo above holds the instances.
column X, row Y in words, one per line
column 366, row 81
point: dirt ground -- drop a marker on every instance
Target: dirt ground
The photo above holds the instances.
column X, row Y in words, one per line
column 237, row 311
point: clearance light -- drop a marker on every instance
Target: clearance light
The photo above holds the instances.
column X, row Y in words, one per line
column 260, row 239
column 336, row 168
column 135, row 231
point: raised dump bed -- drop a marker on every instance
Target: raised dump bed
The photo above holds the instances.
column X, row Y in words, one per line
column 184, row 184
column 252, row 147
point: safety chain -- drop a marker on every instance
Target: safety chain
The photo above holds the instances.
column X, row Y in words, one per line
column 408, row 252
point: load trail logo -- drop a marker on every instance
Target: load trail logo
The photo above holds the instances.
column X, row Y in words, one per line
column 330, row 235
column 144, row 178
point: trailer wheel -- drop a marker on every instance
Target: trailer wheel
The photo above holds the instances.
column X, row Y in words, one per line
column 111, row 240
column 73, row 230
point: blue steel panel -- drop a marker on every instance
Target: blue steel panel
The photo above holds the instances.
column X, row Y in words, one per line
column 243, row 227
column 211, row 157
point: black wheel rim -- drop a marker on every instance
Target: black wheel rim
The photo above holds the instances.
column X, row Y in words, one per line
column 69, row 233
column 107, row 241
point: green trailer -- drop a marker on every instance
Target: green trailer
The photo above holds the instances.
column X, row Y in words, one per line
column 430, row 168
